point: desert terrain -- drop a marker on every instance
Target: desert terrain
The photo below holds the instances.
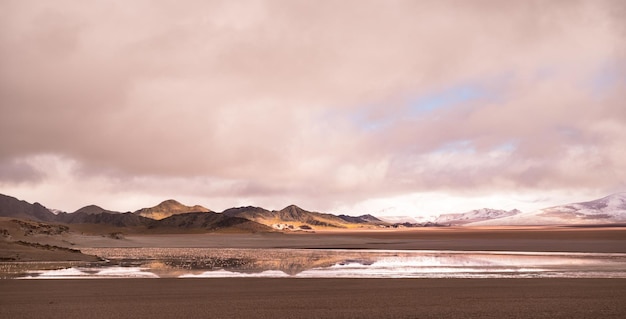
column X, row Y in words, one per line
column 35, row 239
column 606, row 239
column 313, row 298
column 64, row 245
column 320, row 298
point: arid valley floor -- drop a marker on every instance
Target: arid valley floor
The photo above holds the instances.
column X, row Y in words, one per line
column 334, row 297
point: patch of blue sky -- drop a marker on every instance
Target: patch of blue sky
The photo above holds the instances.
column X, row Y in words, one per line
column 459, row 146
column 420, row 106
column 605, row 79
column 364, row 120
column 489, row 90
column 508, row 147
column 447, row 98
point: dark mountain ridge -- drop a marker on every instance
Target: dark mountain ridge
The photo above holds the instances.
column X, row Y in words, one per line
column 113, row 219
column 94, row 209
column 363, row 219
column 13, row 207
column 208, row 221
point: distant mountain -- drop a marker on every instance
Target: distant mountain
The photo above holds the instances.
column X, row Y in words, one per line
column 294, row 213
column 104, row 218
column 363, row 219
column 169, row 208
column 13, row 207
column 170, row 213
column 607, row 210
column 289, row 215
column 94, row 209
column 208, row 221
column 474, row 216
column 55, row 211
column 249, row 212
column 93, row 214
column 398, row 219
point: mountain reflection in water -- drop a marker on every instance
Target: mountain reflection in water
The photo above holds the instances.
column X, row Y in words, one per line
column 323, row 263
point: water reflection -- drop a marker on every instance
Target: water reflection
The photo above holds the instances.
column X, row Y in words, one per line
column 306, row 263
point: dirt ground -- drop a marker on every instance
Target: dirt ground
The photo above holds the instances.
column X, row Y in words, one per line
column 313, row 298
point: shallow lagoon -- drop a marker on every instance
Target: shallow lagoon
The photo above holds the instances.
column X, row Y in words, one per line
column 331, row 263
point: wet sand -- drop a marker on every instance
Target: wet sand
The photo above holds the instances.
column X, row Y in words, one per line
column 314, row 298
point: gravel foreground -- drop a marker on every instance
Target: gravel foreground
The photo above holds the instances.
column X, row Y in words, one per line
column 313, row 298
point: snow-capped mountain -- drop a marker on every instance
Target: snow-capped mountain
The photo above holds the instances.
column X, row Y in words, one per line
column 607, row 210
column 400, row 215
column 55, row 211
column 474, row 216
column 398, row 219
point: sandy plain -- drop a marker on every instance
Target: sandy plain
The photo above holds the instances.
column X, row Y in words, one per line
column 544, row 239
column 335, row 298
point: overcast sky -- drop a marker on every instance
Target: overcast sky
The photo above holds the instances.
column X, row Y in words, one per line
column 389, row 107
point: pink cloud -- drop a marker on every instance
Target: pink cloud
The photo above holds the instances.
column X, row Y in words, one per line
column 263, row 96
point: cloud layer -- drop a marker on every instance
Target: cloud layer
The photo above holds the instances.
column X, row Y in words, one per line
column 326, row 104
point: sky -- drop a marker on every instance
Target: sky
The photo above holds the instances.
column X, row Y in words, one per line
column 410, row 108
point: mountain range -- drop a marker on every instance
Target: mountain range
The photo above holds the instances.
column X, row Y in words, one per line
column 171, row 215
column 12, row 207
column 607, row 210
column 473, row 216
column 297, row 216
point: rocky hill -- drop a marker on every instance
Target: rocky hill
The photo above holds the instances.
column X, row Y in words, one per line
column 363, row 219
column 94, row 209
column 168, row 208
column 13, row 207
